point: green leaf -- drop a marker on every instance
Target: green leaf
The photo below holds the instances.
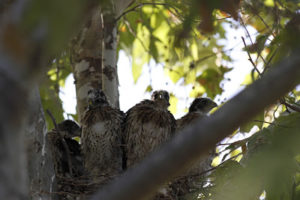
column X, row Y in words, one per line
column 149, row 88
column 173, row 104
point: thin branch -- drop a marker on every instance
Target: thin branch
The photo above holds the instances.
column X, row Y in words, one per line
column 248, row 34
column 194, row 142
column 140, row 5
column 250, row 59
column 293, row 107
column 63, row 142
column 271, row 123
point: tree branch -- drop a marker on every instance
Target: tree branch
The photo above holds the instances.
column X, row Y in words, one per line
column 195, row 141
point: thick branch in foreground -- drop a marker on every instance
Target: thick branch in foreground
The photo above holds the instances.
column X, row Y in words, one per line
column 189, row 146
column 22, row 57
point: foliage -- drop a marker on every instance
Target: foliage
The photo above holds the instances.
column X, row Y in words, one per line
column 154, row 30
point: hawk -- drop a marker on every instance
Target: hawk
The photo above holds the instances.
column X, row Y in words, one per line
column 68, row 129
column 101, row 137
column 66, row 157
column 147, row 125
column 198, row 109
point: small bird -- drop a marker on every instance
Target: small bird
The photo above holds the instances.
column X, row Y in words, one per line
column 198, row 109
column 189, row 180
column 101, row 137
column 147, row 125
column 61, row 144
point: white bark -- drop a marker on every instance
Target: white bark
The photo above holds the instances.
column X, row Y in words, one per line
column 87, row 60
column 109, row 71
column 94, row 55
column 111, row 11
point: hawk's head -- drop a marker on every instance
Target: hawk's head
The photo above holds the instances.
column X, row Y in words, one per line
column 161, row 97
column 203, row 105
column 70, row 128
column 96, row 97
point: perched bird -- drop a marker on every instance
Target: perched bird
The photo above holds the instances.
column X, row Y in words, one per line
column 101, row 137
column 147, row 125
column 189, row 180
column 198, row 109
column 66, row 150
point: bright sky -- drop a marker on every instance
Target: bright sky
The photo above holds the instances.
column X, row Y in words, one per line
column 131, row 93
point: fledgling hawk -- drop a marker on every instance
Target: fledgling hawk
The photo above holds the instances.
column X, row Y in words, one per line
column 198, row 109
column 188, row 181
column 147, row 125
column 61, row 160
column 101, row 137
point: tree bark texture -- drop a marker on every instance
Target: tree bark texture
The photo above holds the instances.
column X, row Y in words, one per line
column 109, row 69
column 40, row 166
column 87, row 60
column 110, row 83
column 194, row 142
column 94, row 54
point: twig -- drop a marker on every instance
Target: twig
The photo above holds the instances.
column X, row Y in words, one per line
column 250, row 59
column 295, row 108
column 140, row 5
column 248, row 34
column 63, row 142
column 272, row 123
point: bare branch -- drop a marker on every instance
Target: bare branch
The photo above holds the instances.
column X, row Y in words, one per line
column 143, row 4
column 250, row 59
column 195, row 141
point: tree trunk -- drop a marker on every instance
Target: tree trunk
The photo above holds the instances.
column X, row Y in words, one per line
column 94, row 55
column 109, row 69
column 40, row 166
column 86, row 54
column 111, row 11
